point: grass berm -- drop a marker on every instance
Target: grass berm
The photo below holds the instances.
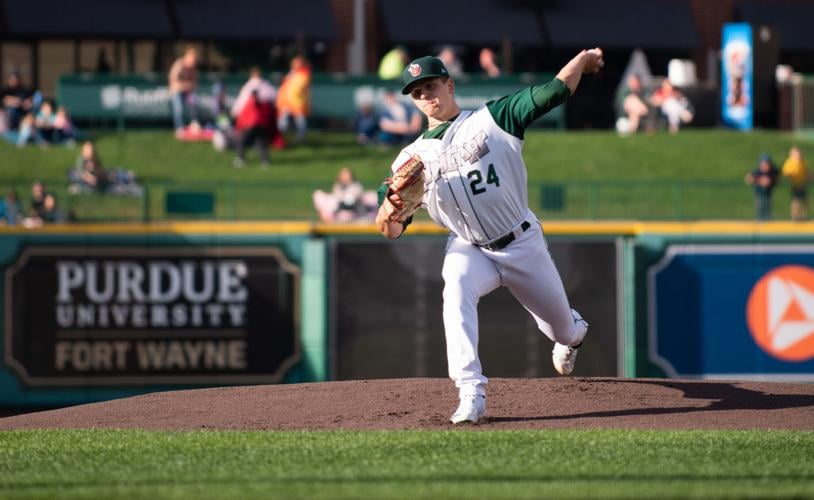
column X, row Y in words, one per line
column 697, row 174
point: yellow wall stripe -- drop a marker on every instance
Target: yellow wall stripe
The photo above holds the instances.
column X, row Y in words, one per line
column 555, row 228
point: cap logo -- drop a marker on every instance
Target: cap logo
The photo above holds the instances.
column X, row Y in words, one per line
column 414, row 70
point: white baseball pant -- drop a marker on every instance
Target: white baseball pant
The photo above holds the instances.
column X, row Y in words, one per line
column 526, row 269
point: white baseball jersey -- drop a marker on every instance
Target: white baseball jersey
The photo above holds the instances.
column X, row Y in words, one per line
column 474, row 187
column 475, row 177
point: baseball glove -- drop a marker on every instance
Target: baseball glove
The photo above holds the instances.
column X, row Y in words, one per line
column 408, row 183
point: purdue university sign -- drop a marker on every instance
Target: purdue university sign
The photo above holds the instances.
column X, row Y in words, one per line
column 124, row 316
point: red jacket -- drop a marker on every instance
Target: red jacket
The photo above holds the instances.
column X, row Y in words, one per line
column 257, row 114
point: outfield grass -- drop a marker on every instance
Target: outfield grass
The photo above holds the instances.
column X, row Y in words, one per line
column 479, row 464
column 695, row 174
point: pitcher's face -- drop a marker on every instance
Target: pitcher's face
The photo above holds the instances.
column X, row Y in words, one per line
column 435, row 97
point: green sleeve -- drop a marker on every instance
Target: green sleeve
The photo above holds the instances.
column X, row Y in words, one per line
column 514, row 112
column 382, row 192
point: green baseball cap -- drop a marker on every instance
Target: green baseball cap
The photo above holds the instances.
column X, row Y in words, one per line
column 421, row 69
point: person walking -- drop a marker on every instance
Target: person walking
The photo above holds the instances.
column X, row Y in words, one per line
column 476, row 186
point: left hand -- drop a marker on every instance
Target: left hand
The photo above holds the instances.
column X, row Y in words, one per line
column 395, row 199
column 388, row 211
column 384, row 220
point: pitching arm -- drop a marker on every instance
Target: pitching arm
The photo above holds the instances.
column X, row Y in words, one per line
column 587, row 61
column 515, row 112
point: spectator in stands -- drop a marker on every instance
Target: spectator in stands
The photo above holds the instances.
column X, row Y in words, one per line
column 488, row 63
column 63, row 127
column 256, row 85
column 294, row 98
column 764, row 179
column 392, row 63
column 366, row 124
column 347, row 201
column 50, row 213
column 255, row 117
column 220, row 108
column 398, row 122
column 28, row 132
column 11, row 212
column 183, row 83
column 44, row 122
column 89, row 175
column 43, row 207
column 224, row 135
column 17, row 101
column 451, row 61
column 37, row 198
column 796, row 170
column 631, row 106
column 672, row 104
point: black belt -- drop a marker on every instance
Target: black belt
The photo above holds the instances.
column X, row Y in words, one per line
column 503, row 242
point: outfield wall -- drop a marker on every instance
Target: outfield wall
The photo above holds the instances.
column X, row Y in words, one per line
column 723, row 304
column 138, row 98
column 94, row 312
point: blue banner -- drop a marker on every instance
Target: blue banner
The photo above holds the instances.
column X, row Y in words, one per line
column 736, row 75
column 733, row 311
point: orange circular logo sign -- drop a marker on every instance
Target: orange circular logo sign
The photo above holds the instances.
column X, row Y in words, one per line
column 780, row 313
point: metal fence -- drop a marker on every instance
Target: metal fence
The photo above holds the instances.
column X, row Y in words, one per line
column 650, row 200
column 246, row 201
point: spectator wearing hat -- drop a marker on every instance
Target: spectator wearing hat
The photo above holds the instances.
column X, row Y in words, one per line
column 764, row 179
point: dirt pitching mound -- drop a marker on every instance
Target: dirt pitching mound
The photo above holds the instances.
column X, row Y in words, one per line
column 427, row 404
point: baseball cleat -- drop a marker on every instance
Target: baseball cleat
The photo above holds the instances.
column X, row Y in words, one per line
column 471, row 409
column 564, row 358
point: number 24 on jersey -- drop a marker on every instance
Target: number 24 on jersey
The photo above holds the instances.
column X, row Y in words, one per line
column 476, row 179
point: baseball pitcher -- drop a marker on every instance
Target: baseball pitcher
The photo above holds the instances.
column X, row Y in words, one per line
column 472, row 180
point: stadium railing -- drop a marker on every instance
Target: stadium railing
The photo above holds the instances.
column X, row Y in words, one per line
column 648, row 200
column 279, row 200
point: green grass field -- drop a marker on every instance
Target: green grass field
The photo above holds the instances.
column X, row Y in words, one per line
column 696, row 174
column 455, row 464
